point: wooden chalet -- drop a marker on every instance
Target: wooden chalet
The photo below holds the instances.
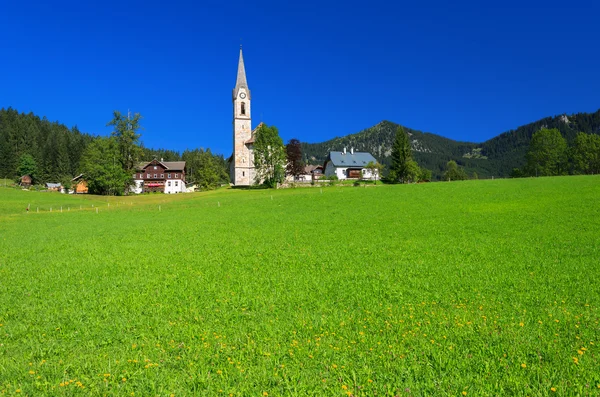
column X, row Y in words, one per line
column 80, row 185
column 25, row 181
column 160, row 176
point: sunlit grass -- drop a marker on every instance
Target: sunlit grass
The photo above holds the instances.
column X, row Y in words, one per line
column 479, row 287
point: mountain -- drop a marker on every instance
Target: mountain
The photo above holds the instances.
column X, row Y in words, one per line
column 494, row 157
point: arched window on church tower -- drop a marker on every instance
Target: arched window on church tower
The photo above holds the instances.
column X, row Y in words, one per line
column 243, row 108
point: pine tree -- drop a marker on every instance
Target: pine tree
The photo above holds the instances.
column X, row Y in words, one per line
column 401, row 157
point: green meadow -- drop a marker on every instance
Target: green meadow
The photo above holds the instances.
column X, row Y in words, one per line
column 478, row 288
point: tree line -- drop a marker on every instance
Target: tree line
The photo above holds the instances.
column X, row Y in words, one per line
column 549, row 154
column 51, row 152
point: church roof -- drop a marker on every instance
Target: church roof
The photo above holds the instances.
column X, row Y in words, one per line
column 241, row 77
column 253, row 135
column 348, row 159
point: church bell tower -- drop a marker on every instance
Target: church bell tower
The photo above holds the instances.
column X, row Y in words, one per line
column 242, row 162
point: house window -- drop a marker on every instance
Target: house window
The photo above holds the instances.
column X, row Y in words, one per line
column 176, row 175
column 155, row 167
column 168, row 175
column 243, row 173
column 169, row 183
column 154, row 176
column 243, row 108
column 176, row 183
column 162, row 176
column 147, row 175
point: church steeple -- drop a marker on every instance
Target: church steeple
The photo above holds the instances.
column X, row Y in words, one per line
column 242, row 165
column 241, row 77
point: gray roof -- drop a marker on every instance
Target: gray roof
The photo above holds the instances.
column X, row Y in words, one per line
column 358, row 159
column 53, row 185
column 169, row 165
column 174, row 165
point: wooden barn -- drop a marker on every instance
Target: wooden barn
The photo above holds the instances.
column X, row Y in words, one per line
column 80, row 185
column 25, row 181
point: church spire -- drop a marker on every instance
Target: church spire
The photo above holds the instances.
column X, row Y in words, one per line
column 241, row 76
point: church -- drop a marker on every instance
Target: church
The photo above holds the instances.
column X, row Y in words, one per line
column 241, row 162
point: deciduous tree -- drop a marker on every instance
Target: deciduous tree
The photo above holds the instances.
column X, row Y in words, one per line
column 295, row 165
column 375, row 169
column 454, row 172
column 586, row 153
column 269, row 156
column 127, row 138
column 103, row 171
column 547, row 153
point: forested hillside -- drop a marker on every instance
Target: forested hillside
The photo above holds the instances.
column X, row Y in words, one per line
column 56, row 148
column 57, row 151
column 495, row 157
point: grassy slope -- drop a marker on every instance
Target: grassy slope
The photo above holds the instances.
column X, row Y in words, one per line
column 436, row 289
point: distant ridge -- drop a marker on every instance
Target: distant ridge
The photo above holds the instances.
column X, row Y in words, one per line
column 494, row 157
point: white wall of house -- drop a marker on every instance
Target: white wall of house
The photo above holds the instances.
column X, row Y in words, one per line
column 331, row 170
column 138, row 186
column 367, row 174
column 342, row 173
column 174, row 186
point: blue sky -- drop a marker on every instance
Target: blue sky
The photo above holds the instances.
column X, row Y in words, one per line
column 466, row 70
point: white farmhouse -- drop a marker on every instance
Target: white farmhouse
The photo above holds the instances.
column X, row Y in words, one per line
column 349, row 165
column 160, row 176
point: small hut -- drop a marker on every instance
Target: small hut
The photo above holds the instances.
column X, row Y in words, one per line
column 80, row 185
column 25, row 181
column 54, row 187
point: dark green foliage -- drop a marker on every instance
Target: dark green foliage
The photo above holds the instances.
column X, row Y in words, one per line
column 424, row 175
column 102, row 168
column 454, row 172
column 55, row 148
column 585, row 154
column 496, row 157
column 205, row 169
column 401, row 169
column 269, row 156
column 126, row 136
column 547, row 154
column 293, row 151
column 27, row 166
column 517, row 173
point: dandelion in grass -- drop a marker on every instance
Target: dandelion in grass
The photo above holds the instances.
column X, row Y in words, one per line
column 553, row 389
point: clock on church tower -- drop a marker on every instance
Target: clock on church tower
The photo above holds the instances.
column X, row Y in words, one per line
column 242, row 171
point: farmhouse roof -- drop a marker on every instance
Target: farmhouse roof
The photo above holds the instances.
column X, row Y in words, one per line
column 53, row 185
column 78, row 177
column 310, row 168
column 169, row 165
column 349, row 159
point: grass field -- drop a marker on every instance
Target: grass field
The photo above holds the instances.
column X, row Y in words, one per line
column 465, row 288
